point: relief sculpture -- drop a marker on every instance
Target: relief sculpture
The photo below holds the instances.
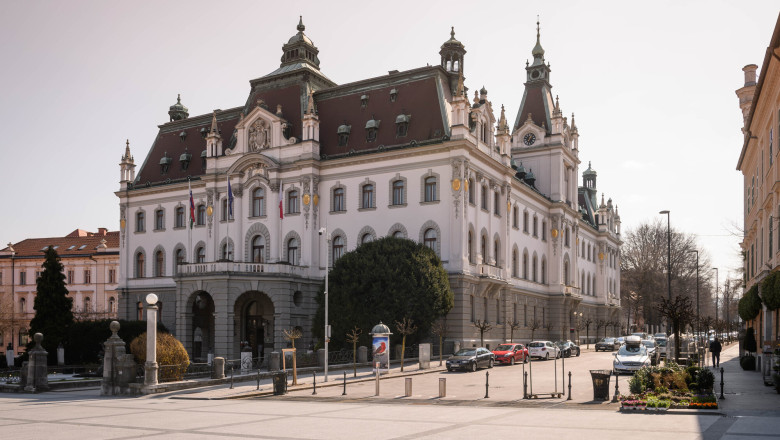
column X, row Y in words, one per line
column 259, row 135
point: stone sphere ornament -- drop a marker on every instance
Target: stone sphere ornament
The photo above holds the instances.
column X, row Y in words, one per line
column 151, row 299
column 114, row 326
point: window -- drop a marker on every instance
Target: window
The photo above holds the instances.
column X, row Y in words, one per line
column 200, row 219
column 429, row 239
column 398, row 234
column 38, row 274
column 343, row 133
column 180, row 257
column 485, row 309
column 338, row 248
column 71, row 276
column 87, row 304
column 398, row 192
column 22, row 305
column 473, row 310
column 140, row 222
column 292, row 202
column 1, row 283
column 498, row 311
column 179, row 217
column 159, row 264
column 544, row 230
column 372, row 127
column 139, row 307
column 402, row 125
column 159, row 219
column 470, row 249
column 566, row 272
column 201, row 255
column 525, row 222
column 514, row 263
column 366, row 238
column 111, row 304
column 533, row 269
column 258, row 249
column 430, row 189
column 292, row 251
column 525, row 266
column 22, row 278
column 566, row 237
column 139, row 265
column 484, row 199
column 225, row 211
column 24, row 336
column 515, row 217
column 496, row 203
column 111, row 276
column 483, row 249
column 87, row 277
column 471, row 190
column 227, row 251
column 368, row 196
column 536, row 227
column 338, row 200
column 258, row 202
column 496, row 252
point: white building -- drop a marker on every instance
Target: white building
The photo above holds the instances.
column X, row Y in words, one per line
column 404, row 154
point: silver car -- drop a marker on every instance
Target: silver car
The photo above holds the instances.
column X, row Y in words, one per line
column 631, row 357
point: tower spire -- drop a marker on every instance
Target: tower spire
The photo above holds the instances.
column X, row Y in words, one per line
column 538, row 51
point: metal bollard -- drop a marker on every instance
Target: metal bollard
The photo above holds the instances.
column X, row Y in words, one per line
column 344, row 393
column 487, row 384
column 569, row 398
column 408, row 387
column 721, row 383
column 314, row 375
column 525, row 384
column 377, row 379
column 442, row 387
column 616, row 397
column 231, row 376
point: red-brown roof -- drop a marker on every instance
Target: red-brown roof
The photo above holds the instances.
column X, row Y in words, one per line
column 72, row 244
column 534, row 104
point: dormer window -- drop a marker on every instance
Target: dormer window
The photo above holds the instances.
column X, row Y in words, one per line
column 343, row 133
column 393, row 95
column 165, row 163
column 185, row 159
column 203, row 160
column 203, row 132
column 402, row 125
column 183, row 135
column 364, row 101
column 372, row 126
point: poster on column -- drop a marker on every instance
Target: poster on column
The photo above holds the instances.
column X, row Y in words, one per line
column 381, row 350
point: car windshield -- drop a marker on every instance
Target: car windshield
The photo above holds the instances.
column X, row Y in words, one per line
column 466, row 352
column 662, row 342
column 608, row 340
column 632, row 350
column 504, row 347
column 536, row 344
column 648, row 344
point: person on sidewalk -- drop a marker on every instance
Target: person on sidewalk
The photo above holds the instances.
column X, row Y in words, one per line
column 715, row 348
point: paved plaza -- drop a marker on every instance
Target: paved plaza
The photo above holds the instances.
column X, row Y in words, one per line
column 749, row 411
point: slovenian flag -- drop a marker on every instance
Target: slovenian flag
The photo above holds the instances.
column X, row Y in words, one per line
column 192, row 210
column 281, row 210
column 230, row 200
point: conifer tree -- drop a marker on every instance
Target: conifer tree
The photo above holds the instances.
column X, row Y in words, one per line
column 53, row 307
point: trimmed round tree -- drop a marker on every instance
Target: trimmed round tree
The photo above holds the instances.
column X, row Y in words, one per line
column 53, row 307
column 770, row 291
column 386, row 280
column 750, row 304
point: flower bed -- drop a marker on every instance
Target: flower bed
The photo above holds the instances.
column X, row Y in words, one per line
column 671, row 386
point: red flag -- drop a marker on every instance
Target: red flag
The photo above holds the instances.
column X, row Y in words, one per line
column 281, row 207
column 192, row 210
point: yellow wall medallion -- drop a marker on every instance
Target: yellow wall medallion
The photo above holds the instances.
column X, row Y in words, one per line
column 456, row 184
column 306, row 199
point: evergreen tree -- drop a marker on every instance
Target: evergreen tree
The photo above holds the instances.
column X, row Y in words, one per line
column 53, row 307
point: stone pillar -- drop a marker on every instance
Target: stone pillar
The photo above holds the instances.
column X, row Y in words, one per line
column 218, row 370
column 37, row 379
column 150, row 367
column 275, row 364
column 321, row 357
column 10, row 355
column 362, row 354
column 114, row 349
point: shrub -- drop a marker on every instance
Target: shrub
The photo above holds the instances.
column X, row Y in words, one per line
column 170, row 354
column 84, row 340
column 748, row 362
column 750, row 345
column 691, row 375
column 636, row 384
column 693, row 386
column 706, row 379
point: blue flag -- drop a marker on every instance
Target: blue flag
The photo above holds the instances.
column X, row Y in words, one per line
column 230, row 200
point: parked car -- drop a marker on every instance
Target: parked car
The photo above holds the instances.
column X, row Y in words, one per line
column 652, row 351
column 631, row 357
column 510, row 353
column 568, row 348
column 660, row 346
column 621, row 340
column 660, row 335
column 606, row 344
column 543, row 350
column 470, row 359
column 642, row 335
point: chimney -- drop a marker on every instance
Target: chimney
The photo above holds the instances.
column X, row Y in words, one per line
column 102, row 231
column 745, row 94
column 750, row 74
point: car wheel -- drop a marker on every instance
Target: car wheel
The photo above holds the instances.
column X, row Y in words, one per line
column 473, row 366
column 449, row 369
column 547, row 357
column 578, row 352
column 490, row 363
column 512, row 361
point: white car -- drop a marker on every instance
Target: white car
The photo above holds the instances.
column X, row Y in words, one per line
column 631, row 357
column 543, row 350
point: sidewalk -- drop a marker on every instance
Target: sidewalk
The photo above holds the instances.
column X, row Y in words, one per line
column 743, row 391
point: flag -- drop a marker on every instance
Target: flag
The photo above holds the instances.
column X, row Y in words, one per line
column 230, row 200
column 281, row 210
column 192, row 210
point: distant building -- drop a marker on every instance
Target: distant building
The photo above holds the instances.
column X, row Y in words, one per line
column 406, row 154
column 91, row 268
column 760, row 104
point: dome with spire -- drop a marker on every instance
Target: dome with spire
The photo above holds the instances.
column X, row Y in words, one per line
column 300, row 50
column 590, row 171
column 538, row 51
column 178, row 111
column 300, row 36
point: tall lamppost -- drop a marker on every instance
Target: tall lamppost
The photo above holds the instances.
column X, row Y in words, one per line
column 324, row 232
column 668, row 263
column 698, row 320
column 716, row 297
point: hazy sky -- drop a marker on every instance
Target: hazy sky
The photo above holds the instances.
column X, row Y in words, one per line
column 652, row 87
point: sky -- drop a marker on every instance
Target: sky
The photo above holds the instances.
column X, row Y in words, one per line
column 651, row 83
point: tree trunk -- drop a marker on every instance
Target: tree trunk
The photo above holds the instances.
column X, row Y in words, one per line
column 403, row 350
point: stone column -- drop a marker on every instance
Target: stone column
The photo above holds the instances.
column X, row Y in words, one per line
column 151, row 368
column 114, row 349
column 37, row 379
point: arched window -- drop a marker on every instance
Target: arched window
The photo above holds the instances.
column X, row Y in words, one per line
column 430, row 189
column 544, row 271
column 525, row 265
column 258, row 249
column 398, row 192
column 470, row 249
column 496, row 203
column 112, row 305
column 180, row 256
column 338, row 200
column 292, row 202
column 533, row 268
column 227, row 251
column 484, row 200
column 201, row 217
column 22, row 305
column 483, row 249
column 338, row 248
column 566, row 272
column 367, row 196
column 201, row 255
column 589, row 292
column 366, row 238
column 514, row 263
column 179, row 217
column 139, row 265
column 159, row 219
column 258, row 202
column 87, row 304
column 292, row 251
column 497, row 252
column 159, row 264
column 430, row 238
column 398, row 234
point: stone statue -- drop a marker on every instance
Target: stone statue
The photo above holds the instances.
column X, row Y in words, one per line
column 259, row 135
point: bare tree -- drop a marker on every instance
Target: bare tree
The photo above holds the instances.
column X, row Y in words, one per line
column 439, row 329
column 405, row 327
column 352, row 337
column 291, row 335
column 587, row 322
column 483, row 326
column 599, row 325
column 534, row 326
column 679, row 313
column 512, row 327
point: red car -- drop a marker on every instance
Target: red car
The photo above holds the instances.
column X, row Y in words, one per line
column 510, row 353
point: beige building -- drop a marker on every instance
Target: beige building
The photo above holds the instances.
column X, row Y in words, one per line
column 91, row 267
column 760, row 104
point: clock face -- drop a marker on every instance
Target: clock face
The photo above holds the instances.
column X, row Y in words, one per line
column 529, row 139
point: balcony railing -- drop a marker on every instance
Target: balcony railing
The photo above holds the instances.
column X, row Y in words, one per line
column 194, row 269
column 486, row 270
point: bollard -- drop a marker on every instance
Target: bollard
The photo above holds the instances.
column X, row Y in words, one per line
column 569, row 386
column 555, row 371
column 616, row 397
column 258, row 378
column 344, row 393
column 721, row 383
column 442, row 387
column 231, row 376
column 563, row 375
column 531, row 377
column 377, row 379
column 408, row 387
column 487, row 384
column 525, row 384
column 314, row 376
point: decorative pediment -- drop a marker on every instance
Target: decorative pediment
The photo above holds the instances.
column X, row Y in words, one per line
column 529, row 134
column 260, row 130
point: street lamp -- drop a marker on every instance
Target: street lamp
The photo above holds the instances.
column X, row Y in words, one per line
column 716, row 298
column 324, row 232
column 668, row 262
column 698, row 320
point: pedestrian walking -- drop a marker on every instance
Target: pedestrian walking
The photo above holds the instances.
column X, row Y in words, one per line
column 715, row 348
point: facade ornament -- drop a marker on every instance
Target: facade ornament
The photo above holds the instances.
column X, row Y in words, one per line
column 259, row 135
column 210, row 203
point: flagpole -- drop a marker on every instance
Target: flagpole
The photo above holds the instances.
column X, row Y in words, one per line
column 227, row 217
column 281, row 217
column 189, row 230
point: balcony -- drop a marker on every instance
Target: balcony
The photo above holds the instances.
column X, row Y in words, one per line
column 493, row 272
column 200, row 269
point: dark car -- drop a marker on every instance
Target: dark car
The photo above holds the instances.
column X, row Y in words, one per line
column 568, row 348
column 470, row 359
column 510, row 353
column 608, row 344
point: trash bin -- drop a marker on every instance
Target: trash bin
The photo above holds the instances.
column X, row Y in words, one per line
column 280, row 383
column 600, row 384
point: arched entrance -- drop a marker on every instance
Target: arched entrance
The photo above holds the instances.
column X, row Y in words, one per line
column 256, row 323
column 202, row 328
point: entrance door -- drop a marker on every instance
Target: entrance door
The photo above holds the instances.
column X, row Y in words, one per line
column 255, row 329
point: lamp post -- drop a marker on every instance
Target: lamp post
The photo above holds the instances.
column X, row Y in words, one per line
column 150, row 367
column 668, row 262
column 698, row 320
column 324, row 232
column 9, row 354
column 716, row 298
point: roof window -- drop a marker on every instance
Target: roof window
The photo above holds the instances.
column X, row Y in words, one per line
column 165, row 163
column 372, row 126
column 185, row 159
column 364, row 101
column 82, row 246
column 402, row 125
column 72, row 247
column 393, row 95
column 343, row 132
